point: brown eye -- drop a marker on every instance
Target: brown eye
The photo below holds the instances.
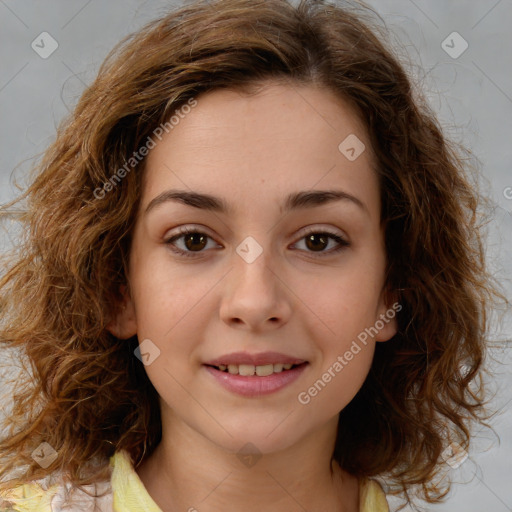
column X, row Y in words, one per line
column 195, row 241
column 192, row 242
column 317, row 241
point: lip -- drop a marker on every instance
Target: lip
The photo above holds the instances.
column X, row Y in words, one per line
column 254, row 385
column 256, row 359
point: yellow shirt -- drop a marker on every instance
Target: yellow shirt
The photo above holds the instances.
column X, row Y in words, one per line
column 125, row 493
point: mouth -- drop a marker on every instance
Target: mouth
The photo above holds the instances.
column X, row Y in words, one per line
column 253, row 381
column 248, row 370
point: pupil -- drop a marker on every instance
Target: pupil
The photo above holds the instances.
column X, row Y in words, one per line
column 312, row 237
column 195, row 237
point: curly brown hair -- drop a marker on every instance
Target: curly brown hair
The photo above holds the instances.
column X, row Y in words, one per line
column 88, row 396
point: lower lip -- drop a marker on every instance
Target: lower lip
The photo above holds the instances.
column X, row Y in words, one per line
column 255, row 385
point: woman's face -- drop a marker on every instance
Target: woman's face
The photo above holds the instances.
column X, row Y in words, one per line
column 258, row 273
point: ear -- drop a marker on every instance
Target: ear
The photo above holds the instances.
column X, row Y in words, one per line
column 124, row 325
column 386, row 316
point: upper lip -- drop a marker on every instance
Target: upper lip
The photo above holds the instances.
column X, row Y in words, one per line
column 260, row 359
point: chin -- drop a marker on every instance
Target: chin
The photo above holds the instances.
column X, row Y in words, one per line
column 255, row 441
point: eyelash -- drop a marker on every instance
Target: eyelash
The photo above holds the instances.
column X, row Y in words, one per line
column 191, row 254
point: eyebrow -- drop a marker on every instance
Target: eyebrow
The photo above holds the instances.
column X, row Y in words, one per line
column 294, row 201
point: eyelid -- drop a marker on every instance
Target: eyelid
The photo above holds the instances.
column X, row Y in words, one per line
column 330, row 231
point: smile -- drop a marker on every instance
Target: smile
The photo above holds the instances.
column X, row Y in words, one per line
column 252, row 381
column 250, row 369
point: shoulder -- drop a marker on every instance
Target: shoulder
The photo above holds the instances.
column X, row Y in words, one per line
column 371, row 497
column 124, row 492
column 51, row 494
column 129, row 491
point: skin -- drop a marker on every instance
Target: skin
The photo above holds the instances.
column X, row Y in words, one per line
column 253, row 151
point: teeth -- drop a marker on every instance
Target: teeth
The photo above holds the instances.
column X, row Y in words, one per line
column 247, row 370
column 263, row 371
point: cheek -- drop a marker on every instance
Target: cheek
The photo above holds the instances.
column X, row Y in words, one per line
column 345, row 302
column 166, row 297
column 340, row 378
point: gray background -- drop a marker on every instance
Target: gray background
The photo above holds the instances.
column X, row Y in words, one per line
column 471, row 93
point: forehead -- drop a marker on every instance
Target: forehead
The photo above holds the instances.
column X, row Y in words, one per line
column 247, row 148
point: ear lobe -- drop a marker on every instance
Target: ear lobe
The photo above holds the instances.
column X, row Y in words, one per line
column 124, row 325
column 386, row 321
column 389, row 330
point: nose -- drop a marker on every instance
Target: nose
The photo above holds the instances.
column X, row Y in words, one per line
column 256, row 297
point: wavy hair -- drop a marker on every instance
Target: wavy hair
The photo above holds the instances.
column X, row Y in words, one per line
column 88, row 396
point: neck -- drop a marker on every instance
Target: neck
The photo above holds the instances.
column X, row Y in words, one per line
column 189, row 472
